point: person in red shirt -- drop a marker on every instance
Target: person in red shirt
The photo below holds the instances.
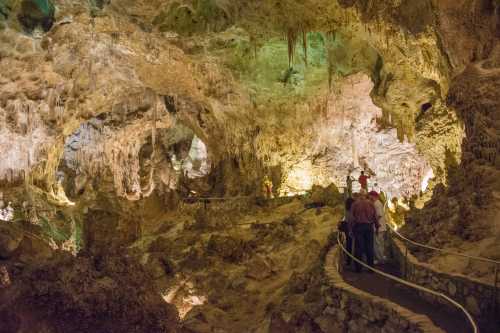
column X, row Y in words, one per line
column 363, row 180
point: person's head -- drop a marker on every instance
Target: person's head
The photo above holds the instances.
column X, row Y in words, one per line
column 362, row 192
column 373, row 196
column 348, row 203
column 362, row 173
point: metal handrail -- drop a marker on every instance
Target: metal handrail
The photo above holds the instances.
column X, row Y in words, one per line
column 412, row 285
column 483, row 259
column 215, row 198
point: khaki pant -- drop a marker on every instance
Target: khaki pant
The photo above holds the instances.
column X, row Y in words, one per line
column 380, row 246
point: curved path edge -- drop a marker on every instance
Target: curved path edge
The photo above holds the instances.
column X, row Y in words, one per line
column 476, row 296
column 372, row 313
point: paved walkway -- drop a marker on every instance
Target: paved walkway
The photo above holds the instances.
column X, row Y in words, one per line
column 443, row 317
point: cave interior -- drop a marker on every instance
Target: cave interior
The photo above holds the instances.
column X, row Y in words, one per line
column 182, row 165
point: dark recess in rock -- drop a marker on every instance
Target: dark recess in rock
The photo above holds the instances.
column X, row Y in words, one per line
column 36, row 13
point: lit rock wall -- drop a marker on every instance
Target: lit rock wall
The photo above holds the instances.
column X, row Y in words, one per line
column 89, row 70
column 468, row 207
column 348, row 138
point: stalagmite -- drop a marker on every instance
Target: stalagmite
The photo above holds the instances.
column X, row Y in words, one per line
column 172, row 166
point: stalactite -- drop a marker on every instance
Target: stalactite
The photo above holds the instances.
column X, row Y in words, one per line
column 147, row 192
column 291, row 38
column 253, row 42
column 304, row 45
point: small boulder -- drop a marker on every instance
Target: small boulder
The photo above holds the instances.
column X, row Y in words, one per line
column 329, row 196
column 228, row 248
column 298, row 283
column 259, row 269
column 293, row 219
column 9, row 241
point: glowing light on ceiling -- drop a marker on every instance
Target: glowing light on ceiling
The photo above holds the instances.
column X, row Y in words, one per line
column 196, row 164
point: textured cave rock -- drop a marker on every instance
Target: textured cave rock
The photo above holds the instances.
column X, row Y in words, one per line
column 129, row 109
column 36, row 13
column 104, row 294
column 468, row 208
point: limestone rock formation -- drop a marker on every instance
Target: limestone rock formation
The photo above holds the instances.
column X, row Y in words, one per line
column 135, row 138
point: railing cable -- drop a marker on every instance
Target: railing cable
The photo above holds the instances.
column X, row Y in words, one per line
column 412, row 285
column 492, row 261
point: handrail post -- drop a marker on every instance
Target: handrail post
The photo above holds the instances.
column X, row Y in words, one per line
column 495, row 292
column 406, row 261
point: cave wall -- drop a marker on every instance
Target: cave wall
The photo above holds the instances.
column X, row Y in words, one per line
column 131, row 65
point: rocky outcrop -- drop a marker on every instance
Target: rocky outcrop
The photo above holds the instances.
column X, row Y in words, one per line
column 467, row 208
column 10, row 239
column 115, row 113
column 106, row 294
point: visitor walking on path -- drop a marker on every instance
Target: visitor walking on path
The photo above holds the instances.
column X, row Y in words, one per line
column 365, row 222
column 381, row 235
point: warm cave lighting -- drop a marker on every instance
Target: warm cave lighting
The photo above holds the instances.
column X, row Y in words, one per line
column 60, row 196
column 183, row 298
column 429, row 174
column 7, row 213
column 4, row 277
column 196, row 164
column 299, row 180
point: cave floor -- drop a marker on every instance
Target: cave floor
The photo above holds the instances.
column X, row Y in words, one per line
column 448, row 320
column 216, row 285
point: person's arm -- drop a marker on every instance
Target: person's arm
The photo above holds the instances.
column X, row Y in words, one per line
column 353, row 220
column 375, row 219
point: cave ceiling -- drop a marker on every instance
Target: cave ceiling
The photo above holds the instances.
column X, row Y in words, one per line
column 255, row 81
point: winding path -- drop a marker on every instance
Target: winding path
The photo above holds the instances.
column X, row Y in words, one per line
column 442, row 317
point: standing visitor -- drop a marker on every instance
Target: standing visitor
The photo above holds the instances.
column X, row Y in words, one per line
column 268, row 187
column 381, row 235
column 349, row 181
column 363, row 181
column 365, row 221
column 346, row 227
